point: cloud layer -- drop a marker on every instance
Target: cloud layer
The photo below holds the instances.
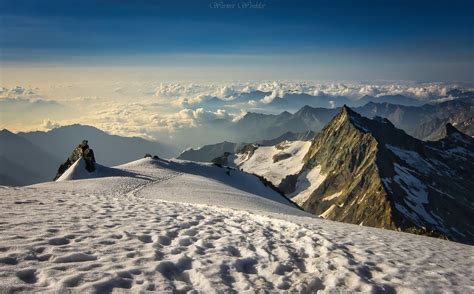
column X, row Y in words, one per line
column 163, row 110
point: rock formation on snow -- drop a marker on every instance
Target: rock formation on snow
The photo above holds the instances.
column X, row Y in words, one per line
column 82, row 150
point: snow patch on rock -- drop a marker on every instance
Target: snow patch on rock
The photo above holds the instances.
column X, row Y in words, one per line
column 306, row 183
column 262, row 163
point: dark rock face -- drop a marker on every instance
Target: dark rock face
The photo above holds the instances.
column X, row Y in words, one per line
column 148, row 155
column 222, row 160
column 281, row 156
column 377, row 175
column 82, row 150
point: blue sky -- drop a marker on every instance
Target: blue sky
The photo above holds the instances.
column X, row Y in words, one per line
column 420, row 40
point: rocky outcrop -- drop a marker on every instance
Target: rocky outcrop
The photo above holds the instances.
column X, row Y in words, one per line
column 222, row 160
column 82, row 150
column 148, row 155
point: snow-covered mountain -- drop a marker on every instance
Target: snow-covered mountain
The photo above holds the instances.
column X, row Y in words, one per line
column 33, row 157
column 178, row 226
column 274, row 163
column 112, row 149
column 208, row 153
column 368, row 172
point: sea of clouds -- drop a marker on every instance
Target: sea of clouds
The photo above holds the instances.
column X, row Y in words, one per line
column 159, row 110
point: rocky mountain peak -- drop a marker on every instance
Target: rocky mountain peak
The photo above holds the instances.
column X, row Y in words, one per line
column 6, row 133
column 304, row 110
column 453, row 133
column 81, row 151
column 366, row 171
column 347, row 116
column 450, row 129
column 453, row 138
column 285, row 114
column 346, row 109
column 347, row 113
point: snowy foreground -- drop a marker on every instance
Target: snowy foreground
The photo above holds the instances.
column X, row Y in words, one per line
column 161, row 226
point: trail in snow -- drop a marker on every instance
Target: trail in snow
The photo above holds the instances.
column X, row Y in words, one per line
column 112, row 234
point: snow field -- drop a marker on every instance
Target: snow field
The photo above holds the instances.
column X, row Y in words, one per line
column 117, row 233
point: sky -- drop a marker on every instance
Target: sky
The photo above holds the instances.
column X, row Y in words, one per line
column 416, row 40
column 147, row 68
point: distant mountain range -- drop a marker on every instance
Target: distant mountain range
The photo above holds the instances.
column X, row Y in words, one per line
column 368, row 172
column 292, row 101
column 23, row 163
column 424, row 122
column 34, row 157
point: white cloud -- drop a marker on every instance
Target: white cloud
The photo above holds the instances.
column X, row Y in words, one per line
column 49, row 124
column 23, row 97
column 275, row 93
column 239, row 116
column 252, row 103
column 177, row 106
column 227, row 91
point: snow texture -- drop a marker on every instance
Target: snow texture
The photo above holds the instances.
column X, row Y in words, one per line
column 417, row 196
column 306, row 183
column 262, row 162
column 150, row 227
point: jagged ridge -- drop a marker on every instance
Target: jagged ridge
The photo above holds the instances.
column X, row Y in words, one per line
column 377, row 175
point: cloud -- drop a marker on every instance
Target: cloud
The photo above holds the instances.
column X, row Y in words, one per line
column 422, row 91
column 49, row 124
column 252, row 103
column 227, row 91
column 146, row 120
column 20, row 99
column 190, row 95
column 82, row 99
column 181, row 89
column 176, row 107
column 239, row 116
column 118, row 90
column 17, row 92
column 189, row 118
column 275, row 93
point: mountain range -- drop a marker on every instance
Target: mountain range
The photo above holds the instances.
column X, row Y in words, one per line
column 292, row 101
column 367, row 172
column 424, row 122
column 34, row 157
column 23, row 163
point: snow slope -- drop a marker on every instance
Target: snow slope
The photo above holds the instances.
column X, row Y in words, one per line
column 261, row 161
column 77, row 171
column 306, row 183
column 161, row 226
